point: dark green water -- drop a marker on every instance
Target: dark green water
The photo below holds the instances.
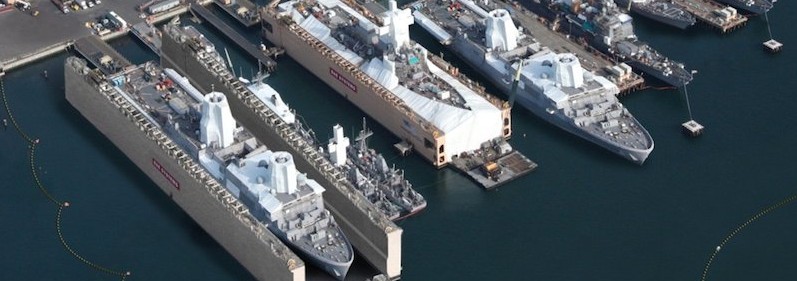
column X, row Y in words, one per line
column 585, row 214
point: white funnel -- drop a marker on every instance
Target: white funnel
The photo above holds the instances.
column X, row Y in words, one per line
column 283, row 172
column 568, row 71
column 501, row 33
column 217, row 124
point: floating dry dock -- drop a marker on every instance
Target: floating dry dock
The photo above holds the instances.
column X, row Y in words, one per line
column 103, row 101
column 375, row 237
column 370, row 60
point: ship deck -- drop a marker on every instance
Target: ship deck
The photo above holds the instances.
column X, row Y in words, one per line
column 249, row 19
column 591, row 59
column 148, row 34
column 704, row 11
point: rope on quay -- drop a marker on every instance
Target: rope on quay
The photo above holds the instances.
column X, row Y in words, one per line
column 742, row 226
column 32, row 143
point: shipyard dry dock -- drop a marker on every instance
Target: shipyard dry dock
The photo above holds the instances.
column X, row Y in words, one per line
column 203, row 198
column 376, row 238
column 435, row 130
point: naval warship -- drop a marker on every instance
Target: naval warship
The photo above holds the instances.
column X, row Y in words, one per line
column 757, row 7
column 662, row 11
column 384, row 186
column 552, row 86
column 372, row 62
column 288, row 203
column 605, row 27
column 367, row 171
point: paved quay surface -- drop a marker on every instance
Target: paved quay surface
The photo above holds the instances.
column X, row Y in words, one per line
column 24, row 33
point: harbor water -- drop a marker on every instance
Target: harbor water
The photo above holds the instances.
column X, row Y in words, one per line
column 584, row 214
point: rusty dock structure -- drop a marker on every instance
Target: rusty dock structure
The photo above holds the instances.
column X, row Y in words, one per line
column 721, row 17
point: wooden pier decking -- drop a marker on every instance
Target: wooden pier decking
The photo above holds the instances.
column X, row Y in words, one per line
column 716, row 15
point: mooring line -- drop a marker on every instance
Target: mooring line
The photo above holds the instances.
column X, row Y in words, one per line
column 739, row 228
column 32, row 143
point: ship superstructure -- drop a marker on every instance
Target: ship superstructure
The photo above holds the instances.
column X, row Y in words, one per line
column 384, row 186
column 553, row 86
column 608, row 29
column 372, row 62
column 288, row 203
column 662, row 11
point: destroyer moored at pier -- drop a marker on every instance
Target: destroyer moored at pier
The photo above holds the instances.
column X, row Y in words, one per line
column 553, row 86
column 372, row 62
column 608, row 29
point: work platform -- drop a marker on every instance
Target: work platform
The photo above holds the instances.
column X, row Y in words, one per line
column 99, row 54
column 491, row 171
column 236, row 37
column 590, row 58
column 716, row 15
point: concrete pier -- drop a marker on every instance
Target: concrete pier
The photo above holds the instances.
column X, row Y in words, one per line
column 27, row 39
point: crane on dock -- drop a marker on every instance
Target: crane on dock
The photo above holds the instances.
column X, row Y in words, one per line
column 515, row 82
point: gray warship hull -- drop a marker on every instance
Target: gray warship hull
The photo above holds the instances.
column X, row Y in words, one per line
column 678, row 22
column 758, row 7
column 336, row 269
column 671, row 79
column 471, row 55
